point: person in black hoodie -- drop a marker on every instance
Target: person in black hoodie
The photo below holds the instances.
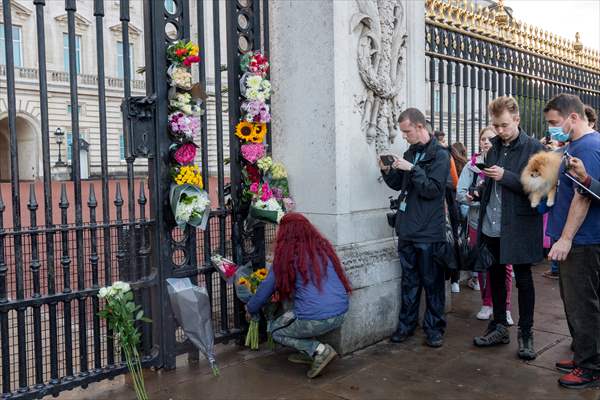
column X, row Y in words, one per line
column 421, row 177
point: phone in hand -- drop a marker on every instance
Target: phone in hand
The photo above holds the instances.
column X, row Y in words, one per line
column 481, row 166
column 387, row 159
column 566, row 159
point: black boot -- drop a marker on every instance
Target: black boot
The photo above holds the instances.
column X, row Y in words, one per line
column 526, row 351
column 495, row 334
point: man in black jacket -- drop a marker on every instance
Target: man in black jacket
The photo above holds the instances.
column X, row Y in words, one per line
column 508, row 226
column 420, row 224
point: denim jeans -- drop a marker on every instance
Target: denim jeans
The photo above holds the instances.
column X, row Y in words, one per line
column 299, row 333
column 420, row 271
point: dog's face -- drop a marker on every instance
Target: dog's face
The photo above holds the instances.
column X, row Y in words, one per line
column 537, row 167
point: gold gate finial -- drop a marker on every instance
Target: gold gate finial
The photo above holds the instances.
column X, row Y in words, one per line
column 501, row 15
column 577, row 46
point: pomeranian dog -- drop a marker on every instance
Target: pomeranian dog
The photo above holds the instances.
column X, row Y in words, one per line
column 540, row 177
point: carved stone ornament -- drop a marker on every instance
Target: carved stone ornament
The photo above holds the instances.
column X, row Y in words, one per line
column 380, row 47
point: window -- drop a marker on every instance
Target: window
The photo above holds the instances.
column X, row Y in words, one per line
column 77, row 52
column 69, row 146
column 170, row 6
column 120, row 67
column 122, row 147
column 17, row 46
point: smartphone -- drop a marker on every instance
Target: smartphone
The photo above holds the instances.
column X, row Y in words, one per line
column 387, row 160
column 481, row 166
column 566, row 158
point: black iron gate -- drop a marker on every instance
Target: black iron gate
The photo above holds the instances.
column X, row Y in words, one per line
column 63, row 237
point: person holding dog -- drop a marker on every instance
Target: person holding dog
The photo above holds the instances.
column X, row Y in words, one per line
column 509, row 228
column 575, row 228
column 421, row 177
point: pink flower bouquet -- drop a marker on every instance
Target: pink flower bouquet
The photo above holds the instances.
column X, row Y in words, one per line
column 225, row 267
column 184, row 154
column 252, row 152
column 184, row 127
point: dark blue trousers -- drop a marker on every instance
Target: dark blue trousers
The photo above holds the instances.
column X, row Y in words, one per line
column 420, row 271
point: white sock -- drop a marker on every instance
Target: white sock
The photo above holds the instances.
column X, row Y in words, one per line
column 320, row 348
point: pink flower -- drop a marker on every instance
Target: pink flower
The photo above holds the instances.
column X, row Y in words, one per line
column 229, row 270
column 266, row 192
column 185, row 154
column 252, row 152
column 254, row 187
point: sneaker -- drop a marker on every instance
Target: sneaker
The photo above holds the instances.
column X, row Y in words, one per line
column 551, row 275
column 494, row 334
column 300, row 358
column 434, row 341
column 399, row 337
column 566, row 365
column 509, row 319
column 526, row 351
column 485, row 313
column 455, row 288
column 580, row 378
column 321, row 360
column 473, row 283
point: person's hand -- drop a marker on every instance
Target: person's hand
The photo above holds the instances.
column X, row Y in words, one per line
column 495, row 172
column 402, row 164
column 577, row 169
column 469, row 198
column 560, row 250
column 382, row 166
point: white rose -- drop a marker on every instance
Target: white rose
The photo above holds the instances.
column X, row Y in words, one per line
column 103, row 292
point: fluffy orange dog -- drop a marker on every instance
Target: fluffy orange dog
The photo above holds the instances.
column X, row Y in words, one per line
column 540, row 177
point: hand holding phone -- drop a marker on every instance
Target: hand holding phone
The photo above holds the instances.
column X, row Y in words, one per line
column 481, row 166
column 387, row 159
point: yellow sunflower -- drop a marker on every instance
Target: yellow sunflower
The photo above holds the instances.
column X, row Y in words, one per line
column 244, row 130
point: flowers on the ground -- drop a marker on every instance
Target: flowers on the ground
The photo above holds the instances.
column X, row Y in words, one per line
column 122, row 316
column 252, row 152
column 185, row 153
column 182, row 52
column 188, row 174
column 184, row 127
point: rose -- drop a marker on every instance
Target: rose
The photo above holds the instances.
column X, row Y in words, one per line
column 253, row 173
column 254, row 187
column 121, row 286
column 266, row 192
column 185, row 154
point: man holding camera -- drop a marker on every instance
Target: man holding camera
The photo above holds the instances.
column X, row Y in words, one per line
column 420, row 177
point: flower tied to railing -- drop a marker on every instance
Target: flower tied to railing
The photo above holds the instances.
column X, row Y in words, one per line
column 265, row 183
column 122, row 314
column 190, row 204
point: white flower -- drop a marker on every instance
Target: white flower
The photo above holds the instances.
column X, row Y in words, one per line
column 121, row 286
column 265, row 85
column 252, row 94
column 103, row 292
column 254, row 82
column 187, row 108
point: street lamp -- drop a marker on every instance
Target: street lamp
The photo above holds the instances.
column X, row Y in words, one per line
column 59, row 134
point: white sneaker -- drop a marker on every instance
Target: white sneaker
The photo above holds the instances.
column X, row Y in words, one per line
column 455, row 288
column 473, row 283
column 509, row 319
column 485, row 313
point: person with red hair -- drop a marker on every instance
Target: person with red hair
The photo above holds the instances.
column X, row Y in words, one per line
column 307, row 271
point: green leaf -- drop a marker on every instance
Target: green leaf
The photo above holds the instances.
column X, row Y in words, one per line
column 139, row 315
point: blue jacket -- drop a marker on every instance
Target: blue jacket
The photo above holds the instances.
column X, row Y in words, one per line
column 309, row 302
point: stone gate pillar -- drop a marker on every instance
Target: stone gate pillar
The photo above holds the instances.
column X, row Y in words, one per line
column 333, row 110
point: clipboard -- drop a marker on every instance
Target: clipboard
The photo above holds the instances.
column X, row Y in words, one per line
column 582, row 186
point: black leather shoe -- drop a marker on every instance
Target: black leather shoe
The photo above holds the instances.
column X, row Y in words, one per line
column 434, row 341
column 399, row 337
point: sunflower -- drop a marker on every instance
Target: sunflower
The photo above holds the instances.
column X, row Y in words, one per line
column 243, row 281
column 244, row 130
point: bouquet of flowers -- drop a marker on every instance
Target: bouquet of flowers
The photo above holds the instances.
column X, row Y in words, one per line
column 252, row 152
column 187, row 175
column 182, row 52
column 255, row 62
column 186, row 104
column 183, row 154
column 246, row 284
column 267, row 210
column 225, row 267
column 190, row 205
column 180, row 77
column 256, row 111
column 184, row 127
column 122, row 314
column 255, row 87
column 254, row 132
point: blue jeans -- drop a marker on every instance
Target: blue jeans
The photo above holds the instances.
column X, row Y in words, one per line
column 419, row 271
column 299, row 333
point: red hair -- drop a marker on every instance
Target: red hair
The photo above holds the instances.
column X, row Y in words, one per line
column 298, row 247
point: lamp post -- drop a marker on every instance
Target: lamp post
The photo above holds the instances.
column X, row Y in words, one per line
column 59, row 134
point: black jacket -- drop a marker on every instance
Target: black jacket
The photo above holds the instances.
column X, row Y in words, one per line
column 521, row 240
column 424, row 219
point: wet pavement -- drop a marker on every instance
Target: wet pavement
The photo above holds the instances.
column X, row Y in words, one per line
column 384, row 371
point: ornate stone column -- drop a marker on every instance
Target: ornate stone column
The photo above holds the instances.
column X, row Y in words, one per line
column 339, row 73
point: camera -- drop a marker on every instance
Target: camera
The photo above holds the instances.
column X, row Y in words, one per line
column 391, row 216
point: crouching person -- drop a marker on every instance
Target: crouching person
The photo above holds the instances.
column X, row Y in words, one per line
column 307, row 271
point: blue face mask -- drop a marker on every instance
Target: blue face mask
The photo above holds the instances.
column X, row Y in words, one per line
column 557, row 133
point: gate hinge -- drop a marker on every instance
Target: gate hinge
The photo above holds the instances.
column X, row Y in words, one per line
column 139, row 113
